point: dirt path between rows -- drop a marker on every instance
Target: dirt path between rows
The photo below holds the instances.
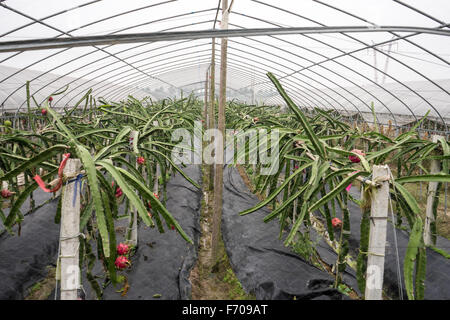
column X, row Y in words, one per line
column 210, row 282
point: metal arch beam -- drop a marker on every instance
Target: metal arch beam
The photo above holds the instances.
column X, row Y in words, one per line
column 145, row 81
column 89, row 53
column 206, row 62
column 329, row 70
column 398, row 37
column 203, row 82
column 54, row 43
column 397, row 1
column 307, row 83
column 115, row 69
column 45, row 18
column 96, row 47
column 89, row 24
column 332, row 59
column 322, row 92
column 306, row 76
column 79, row 57
column 335, row 61
column 278, row 70
column 419, row 11
column 128, row 92
column 393, row 33
column 294, row 94
column 235, row 72
column 368, row 46
column 321, row 76
column 306, row 89
column 128, row 75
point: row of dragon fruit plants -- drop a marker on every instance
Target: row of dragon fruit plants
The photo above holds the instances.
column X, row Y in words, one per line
column 125, row 150
column 320, row 157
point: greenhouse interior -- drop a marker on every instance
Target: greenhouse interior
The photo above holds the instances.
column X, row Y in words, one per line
column 224, row 150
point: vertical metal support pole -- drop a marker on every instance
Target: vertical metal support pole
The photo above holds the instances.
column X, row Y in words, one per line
column 70, row 230
column 219, row 158
column 435, row 167
column 377, row 238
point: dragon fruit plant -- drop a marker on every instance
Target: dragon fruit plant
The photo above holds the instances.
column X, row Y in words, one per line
column 317, row 158
column 99, row 135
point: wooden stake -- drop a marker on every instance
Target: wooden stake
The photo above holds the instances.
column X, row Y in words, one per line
column 377, row 238
column 218, row 176
column 70, row 230
column 435, row 167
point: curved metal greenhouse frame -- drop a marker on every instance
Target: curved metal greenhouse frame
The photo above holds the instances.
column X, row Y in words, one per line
column 327, row 54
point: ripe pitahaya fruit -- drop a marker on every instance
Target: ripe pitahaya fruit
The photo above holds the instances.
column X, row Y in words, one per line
column 118, row 192
column 6, row 193
column 50, row 99
column 44, row 112
column 122, row 249
column 122, row 262
column 336, row 222
column 355, row 159
column 140, row 160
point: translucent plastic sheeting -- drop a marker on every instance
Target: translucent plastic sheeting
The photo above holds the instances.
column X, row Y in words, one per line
column 404, row 74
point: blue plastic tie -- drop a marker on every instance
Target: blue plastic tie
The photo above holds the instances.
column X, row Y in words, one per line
column 77, row 181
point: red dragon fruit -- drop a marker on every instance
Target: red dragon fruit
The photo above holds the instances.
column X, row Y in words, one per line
column 122, row 262
column 355, row 159
column 140, row 160
column 122, row 249
column 336, row 222
column 44, row 112
column 6, row 193
column 50, row 99
column 118, row 192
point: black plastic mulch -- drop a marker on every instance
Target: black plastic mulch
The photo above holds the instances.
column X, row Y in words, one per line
column 260, row 261
column 40, row 198
column 24, row 258
column 272, row 271
column 162, row 264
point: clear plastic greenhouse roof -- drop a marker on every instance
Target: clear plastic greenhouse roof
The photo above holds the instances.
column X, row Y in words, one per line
column 342, row 55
